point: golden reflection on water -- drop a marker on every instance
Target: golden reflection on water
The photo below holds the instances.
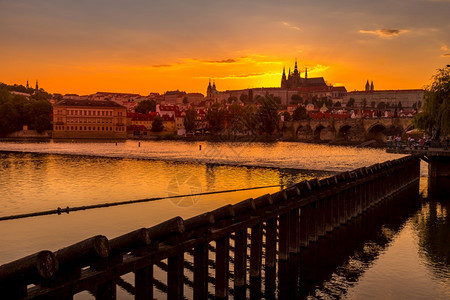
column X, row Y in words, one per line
column 35, row 182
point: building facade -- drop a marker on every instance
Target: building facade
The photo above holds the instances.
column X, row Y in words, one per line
column 89, row 119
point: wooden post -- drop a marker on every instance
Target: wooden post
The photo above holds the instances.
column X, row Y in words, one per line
column 222, row 267
column 143, row 281
column 201, row 271
column 271, row 242
column 256, row 259
column 240, row 259
column 175, row 277
column 294, row 230
column 106, row 291
column 304, row 226
column 312, row 226
column 283, row 237
column 328, row 214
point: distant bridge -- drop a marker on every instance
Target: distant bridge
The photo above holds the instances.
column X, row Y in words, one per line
column 357, row 130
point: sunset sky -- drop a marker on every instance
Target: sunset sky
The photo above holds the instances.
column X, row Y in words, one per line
column 143, row 46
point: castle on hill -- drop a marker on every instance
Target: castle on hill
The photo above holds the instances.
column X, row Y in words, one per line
column 295, row 81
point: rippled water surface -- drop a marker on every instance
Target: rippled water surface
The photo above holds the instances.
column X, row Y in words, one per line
column 411, row 259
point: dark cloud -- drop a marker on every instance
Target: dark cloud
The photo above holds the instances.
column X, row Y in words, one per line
column 384, row 32
column 446, row 55
column 161, row 66
column 220, row 61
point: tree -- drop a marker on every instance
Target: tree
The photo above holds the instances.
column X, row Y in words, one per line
column 364, row 103
column 399, row 105
column 372, row 104
column 286, row 116
column 190, row 120
column 185, row 100
column 236, row 118
column 232, row 99
column 268, row 113
column 146, row 106
column 296, row 99
column 381, row 105
column 8, row 119
column 251, row 118
column 435, row 116
column 157, row 124
column 299, row 114
column 216, row 118
column 350, row 102
column 42, row 123
column 337, row 104
column 244, row 98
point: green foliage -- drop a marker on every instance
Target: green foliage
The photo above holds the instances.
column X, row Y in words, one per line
column 190, row 120
column 435, row 117
column 157, row 124
column 268, row 114
column 8, row 119
column 236, row 118
column 251, row 118
column 244, row 98
column 232, row 99
column 299, row 113
column 216, row 118
column 287, row 116
column 146, row 106
column 17, row 110
column 381, row 105
column 350, row 102
column 296, row 99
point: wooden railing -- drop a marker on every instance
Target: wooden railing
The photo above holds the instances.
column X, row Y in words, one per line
column 251, row 236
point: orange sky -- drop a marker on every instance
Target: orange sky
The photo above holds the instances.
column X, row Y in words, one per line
column 153, row 46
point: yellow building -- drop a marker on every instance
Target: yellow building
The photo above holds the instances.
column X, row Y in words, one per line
column 89, row 119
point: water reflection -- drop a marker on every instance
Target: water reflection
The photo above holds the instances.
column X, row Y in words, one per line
column 329, row 267
column 432, row 224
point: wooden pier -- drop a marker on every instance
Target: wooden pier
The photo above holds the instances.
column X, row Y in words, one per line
column 225, row 250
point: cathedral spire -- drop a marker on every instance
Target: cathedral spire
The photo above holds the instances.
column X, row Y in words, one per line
column 295, row 64
column 37, row 86
column 28, row 85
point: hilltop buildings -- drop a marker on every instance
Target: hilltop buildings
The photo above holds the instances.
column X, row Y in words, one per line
column 372, row 98
column 291, row 84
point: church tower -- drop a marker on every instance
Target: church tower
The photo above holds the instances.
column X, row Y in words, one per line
column 367, row 86
column 283, row 79
column 208, row 90
column 28, row 86
column 371, row 86
column 37, row 86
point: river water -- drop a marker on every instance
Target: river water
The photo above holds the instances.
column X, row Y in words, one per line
column 411, row 261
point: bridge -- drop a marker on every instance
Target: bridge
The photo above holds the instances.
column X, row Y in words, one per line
column 356, row 130
column 218, row 253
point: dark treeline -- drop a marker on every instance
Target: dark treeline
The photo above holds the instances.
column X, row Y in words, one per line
column 18, row 110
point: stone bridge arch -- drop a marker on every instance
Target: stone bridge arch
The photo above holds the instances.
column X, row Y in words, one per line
column 324, row 132
column 343, row 132
column 376, row 132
